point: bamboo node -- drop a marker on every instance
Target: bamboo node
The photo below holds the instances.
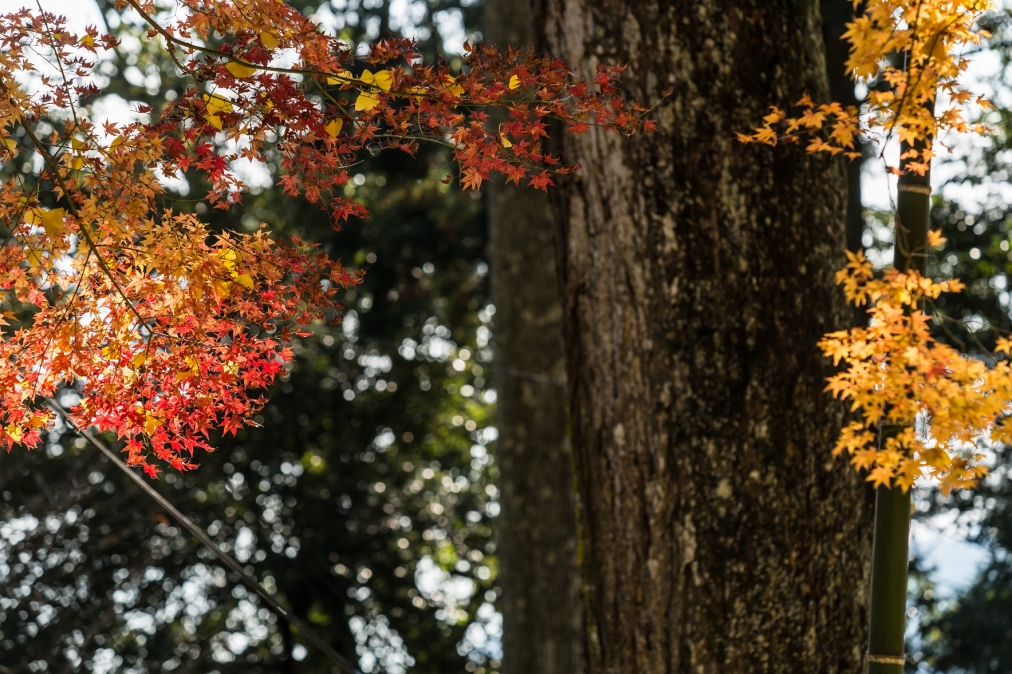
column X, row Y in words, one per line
column 887, row 659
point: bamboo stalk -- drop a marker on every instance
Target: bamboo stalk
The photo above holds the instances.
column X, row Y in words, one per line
column 887, row 618
column 890, row 551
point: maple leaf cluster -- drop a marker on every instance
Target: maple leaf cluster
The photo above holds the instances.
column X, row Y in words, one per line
column 925, row 409
column 936, row 406
column 168, row 330
column 916, row 48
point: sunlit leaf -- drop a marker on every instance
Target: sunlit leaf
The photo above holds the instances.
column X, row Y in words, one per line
column 268, row 40
column 366, row 101
column 333, row 127
column 239, row 70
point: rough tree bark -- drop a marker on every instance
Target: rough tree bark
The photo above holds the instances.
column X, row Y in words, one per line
column 541, row 605
column 717, row 534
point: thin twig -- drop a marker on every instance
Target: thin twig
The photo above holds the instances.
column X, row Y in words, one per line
column 247, row 579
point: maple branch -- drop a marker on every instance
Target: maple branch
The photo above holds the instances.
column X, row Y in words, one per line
column 216, row 52
column 911, row 85
column 73, row 211
column 247, row 579
column 172, row 39
column 907, row 89
column 348, row 80
column 59, row 61
column 166, row 264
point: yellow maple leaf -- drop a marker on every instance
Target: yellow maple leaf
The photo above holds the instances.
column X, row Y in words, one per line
column 863, row 459
column 221, row 287
column 52, row 221
column 14, row 431
column 138, row 360
column 333, row 127
column 340, row 78
column 245, row 280
column 880, row 476
column 366, row 101
column 34, row 257
column 504, row 141
column 151, row 423
column 775, row 115
column 215, row 104
column 269, row 40
column 453, row 87
column 382, row 79
column 239, row 70
column 514, row 82
column 230, row 258
column 954, row 285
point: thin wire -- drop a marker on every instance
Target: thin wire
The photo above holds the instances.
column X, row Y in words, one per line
column 247, row 579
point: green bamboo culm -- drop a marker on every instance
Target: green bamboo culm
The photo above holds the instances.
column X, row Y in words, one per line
column 887, row 620
column 890, row 551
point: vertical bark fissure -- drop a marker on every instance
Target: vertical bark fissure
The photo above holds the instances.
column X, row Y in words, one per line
column 717, row 533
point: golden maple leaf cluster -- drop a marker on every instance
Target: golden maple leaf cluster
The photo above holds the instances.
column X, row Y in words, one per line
column 167, row 330
column 925, row 408
column 916, row 48
column 934, row 406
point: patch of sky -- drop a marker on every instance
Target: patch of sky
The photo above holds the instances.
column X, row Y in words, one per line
column 450, row 24
column 406, row 17
column 941, row 542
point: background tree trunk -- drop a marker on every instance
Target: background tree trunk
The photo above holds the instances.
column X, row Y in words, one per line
column 717, row 534
column 541, row 605
column 836, row 14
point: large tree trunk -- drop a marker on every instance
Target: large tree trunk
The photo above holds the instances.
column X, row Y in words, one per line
column 541, row 605
column 717, row 534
